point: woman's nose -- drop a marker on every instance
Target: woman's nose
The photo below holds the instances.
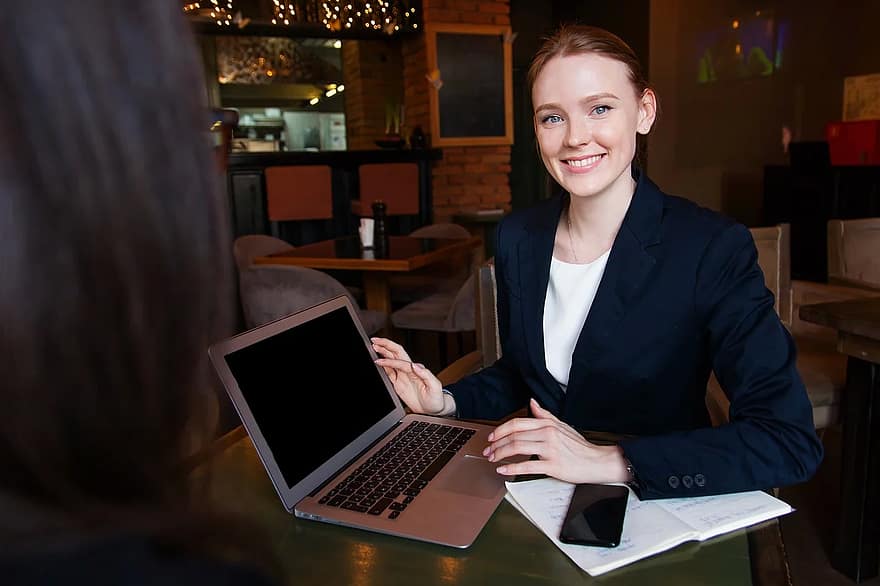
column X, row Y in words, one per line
column 579, row 132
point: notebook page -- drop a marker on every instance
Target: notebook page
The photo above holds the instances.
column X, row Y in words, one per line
column 713, row 515
column 647, row 529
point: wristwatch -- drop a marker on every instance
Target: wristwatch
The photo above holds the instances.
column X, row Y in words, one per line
column 632, row 479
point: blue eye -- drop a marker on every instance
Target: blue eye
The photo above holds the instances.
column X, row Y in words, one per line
column 551, row 119
column 601, row 110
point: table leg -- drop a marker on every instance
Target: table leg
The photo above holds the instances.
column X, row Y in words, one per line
column 377, row 296
column 376, row 292
column 855, row 551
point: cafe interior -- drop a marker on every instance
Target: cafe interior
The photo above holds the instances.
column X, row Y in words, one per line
column 371, row 148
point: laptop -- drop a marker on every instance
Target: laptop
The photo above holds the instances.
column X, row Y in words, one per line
column 336, row 440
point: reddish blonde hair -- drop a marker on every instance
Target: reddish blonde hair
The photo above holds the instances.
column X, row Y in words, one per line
column 575, row 39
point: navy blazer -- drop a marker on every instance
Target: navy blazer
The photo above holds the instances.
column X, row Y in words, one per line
column 682, row 295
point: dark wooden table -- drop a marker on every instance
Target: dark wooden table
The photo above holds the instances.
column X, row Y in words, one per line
column 403, row 254
column 857, row 323
column 509, row 550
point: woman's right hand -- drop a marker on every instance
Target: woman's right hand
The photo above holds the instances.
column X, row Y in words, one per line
column 415, row 385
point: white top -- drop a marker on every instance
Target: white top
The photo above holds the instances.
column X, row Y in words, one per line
column 570, row 295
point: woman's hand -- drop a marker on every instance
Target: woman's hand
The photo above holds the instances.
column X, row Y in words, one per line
column 562, row 452
column 414, row 384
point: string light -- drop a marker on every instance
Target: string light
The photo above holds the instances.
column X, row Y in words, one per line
column 284, row 12
column 221, row 12
column 389, row 16
column 384, row 16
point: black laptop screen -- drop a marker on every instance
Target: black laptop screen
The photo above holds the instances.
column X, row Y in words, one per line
column 315, row 375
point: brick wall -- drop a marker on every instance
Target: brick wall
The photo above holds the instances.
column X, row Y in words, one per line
column 373, row 73
column 468, row 178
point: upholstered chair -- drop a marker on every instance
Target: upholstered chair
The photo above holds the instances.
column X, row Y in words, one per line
column 444, row 312
column 446, row 277
column 246, row 248
column 821, row 367
column 270, row 292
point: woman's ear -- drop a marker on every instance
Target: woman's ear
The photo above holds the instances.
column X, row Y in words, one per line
column 647, row 111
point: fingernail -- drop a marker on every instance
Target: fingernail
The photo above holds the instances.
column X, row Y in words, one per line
column 491, row 437
column 501, row 470
column 491, row 457
column 420, row 365
column 486, row 451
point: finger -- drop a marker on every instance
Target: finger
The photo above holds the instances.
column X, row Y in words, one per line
column 540, row 412
column 396, row 363
column 392, row 347
column 518, row 447
column 425, row 375
column 518, row 425
column 524, row 467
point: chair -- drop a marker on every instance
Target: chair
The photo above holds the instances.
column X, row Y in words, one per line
column 444, row 312
column 302, row 194
column 853, row 251
column 397, row 184
column 486, row 327
column 436, row 277
column 270, row 292
column 773, row 246
column 853, row 273
column 246, row 248
column 821, row 367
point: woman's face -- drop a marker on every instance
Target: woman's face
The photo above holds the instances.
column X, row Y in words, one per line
column 587, row 115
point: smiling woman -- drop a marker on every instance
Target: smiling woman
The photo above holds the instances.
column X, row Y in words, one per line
column 615, row 301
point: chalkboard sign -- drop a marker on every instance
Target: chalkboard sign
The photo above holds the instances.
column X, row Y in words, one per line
column 471, row 91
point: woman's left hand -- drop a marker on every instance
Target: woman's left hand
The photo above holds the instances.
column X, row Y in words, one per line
column 562, row 452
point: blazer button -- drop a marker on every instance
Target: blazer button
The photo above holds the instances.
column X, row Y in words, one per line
column 687, row 481
column 673, row 481
column 700, row 480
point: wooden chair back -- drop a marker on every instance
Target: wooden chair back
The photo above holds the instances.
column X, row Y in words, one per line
column 774, row 258
column 854, row 252
column 488, row 339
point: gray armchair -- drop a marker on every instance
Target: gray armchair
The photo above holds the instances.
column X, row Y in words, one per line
column 246, row 248
column 270, row 292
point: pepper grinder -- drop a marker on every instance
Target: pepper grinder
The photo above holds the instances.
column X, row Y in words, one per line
column 380, row 228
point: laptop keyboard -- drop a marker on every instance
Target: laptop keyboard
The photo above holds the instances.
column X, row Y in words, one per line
column 393, row 477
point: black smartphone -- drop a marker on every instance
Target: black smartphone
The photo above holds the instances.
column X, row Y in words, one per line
column 595, row 515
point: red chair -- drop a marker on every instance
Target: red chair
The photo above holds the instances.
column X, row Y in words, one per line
column 397, row 184
column 298, row 193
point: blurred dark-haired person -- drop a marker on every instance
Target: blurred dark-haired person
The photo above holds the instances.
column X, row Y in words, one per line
column 112, row 285
column 615, row 302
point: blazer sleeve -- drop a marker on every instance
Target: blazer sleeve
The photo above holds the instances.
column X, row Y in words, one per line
column 497, row 390
column 770, row 440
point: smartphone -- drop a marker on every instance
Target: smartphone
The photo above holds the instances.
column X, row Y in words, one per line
column 595, row 515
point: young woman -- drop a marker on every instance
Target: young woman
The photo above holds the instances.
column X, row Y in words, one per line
column 113, row 285
column 615, row 302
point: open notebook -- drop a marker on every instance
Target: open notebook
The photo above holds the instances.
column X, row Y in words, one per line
column 650, row 527
column 337, row 442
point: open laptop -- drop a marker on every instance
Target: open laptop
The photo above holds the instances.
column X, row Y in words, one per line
column 330, row 429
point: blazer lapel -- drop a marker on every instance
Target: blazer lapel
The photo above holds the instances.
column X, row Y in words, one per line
column 629, row 265
column 534, row 254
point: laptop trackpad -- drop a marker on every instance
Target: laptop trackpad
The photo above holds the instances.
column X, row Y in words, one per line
column 473, row 477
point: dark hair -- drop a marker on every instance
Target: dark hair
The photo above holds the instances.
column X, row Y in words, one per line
column 114, row 273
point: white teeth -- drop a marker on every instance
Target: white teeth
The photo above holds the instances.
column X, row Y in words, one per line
column 584, row 162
